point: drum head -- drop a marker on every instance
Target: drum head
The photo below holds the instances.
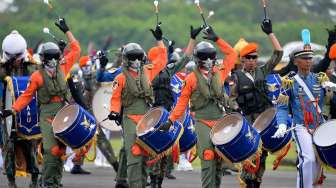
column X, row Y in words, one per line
column 226, row 129
column 325, row 134
column 65, row 118
column 100, row 107
column 264, row 119
column 149, row 121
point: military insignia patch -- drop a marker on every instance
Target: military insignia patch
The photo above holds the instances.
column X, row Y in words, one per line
column 115, row 84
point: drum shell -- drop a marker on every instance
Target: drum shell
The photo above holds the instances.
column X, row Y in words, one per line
column 160, row 141
column 189, row 137
column 327, row 154
column 77, row 135
column 325, row 143
column 274, row 144
column 241, row 147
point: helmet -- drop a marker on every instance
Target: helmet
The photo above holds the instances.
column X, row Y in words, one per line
column 204, row 51
column 14, row 46
column 50, row 51
column 174, row 57
column 133, row 55
column 133, row 51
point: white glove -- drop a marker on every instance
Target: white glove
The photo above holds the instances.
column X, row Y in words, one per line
column 282, row 128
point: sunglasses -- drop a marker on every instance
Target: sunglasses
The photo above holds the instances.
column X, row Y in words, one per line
column 206, row 56
column 135, row 56
column 250, row 57
column 306, row 58
column 50, row 56
column 13, row 55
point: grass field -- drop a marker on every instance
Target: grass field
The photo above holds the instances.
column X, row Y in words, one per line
column 116, row 143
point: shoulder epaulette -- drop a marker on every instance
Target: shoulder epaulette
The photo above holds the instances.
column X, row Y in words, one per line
column 321, row 77
column 288, row 80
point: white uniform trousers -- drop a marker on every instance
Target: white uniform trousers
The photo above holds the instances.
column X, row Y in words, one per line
column 308, row 167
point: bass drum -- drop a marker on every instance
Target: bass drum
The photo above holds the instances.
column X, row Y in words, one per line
column 101, row 105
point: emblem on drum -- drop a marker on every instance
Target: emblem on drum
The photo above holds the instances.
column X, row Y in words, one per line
column 86, row 123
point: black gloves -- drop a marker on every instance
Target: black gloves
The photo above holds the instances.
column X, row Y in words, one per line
column 157, row 33
column 266, row 26
column 166, row 125
column 210, row 34
column 61, row 44
column 331, row 36
column 6, row 113
column 114, row 116
column 102, row 59
column 194, row 32
column 61, row 24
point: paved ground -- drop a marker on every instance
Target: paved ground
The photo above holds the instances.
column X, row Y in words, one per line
column 104, row 178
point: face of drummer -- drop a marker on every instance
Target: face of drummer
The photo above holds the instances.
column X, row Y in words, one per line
column 304, row 64
column 250, row 61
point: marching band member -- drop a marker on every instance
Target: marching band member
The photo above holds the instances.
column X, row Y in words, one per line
column 163, row 96
column 104, row 75
column 16, row 63
column 52, row 91
column 90, row 85
column 132, row 90
column 205, row 101
column 304, row 99
column 250, row 88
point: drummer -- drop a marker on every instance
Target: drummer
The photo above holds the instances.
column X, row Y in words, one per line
column 306, row 114
column 104, row 145
column 15, row 62
column 136, row 101
column 251, row 91
column 207, row 107
column 52, row 91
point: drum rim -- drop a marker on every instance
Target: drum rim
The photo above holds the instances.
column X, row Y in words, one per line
column 322, row 127
column 62, row 109
column 146, row 116
column 215, row 142
column 262, row 115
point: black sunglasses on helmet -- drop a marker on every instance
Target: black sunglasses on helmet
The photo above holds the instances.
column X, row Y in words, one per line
column 251, row 57
column 204, row 56
column 135, row 56
column 50, row 56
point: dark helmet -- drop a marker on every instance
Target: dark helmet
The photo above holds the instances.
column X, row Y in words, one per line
column 204, row 51
column 132, row 52
column 50, row 51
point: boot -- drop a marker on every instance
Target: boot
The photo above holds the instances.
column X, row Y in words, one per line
column 34, row 181
column 249, row 184
column 256, row 184
column 159, row 182
column 12, row 184
column 153, row 181
column 115, row 166
column 170, row 176
column 77, row 169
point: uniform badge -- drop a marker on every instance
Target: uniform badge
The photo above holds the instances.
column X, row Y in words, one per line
column 115, row 84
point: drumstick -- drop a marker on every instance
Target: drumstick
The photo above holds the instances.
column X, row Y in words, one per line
column 290, row 129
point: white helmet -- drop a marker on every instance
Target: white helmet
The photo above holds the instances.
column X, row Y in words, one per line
column 14, row 46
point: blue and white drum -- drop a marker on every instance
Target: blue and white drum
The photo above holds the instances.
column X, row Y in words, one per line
column 27, row 120
column 266, row 124
column 325, row 142
column 189, row 137
column 153, row 140
column 74, row 126
column 234, row 138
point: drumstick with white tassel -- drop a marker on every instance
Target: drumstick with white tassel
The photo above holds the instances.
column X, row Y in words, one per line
column 197, row 2
column 156, row 4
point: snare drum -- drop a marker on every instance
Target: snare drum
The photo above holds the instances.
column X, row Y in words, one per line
column 325, row 142
column 27, row 120
column 188, row 138
column 74, row 126
column 150, row 138
column 266, row 125
column 234, row 138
